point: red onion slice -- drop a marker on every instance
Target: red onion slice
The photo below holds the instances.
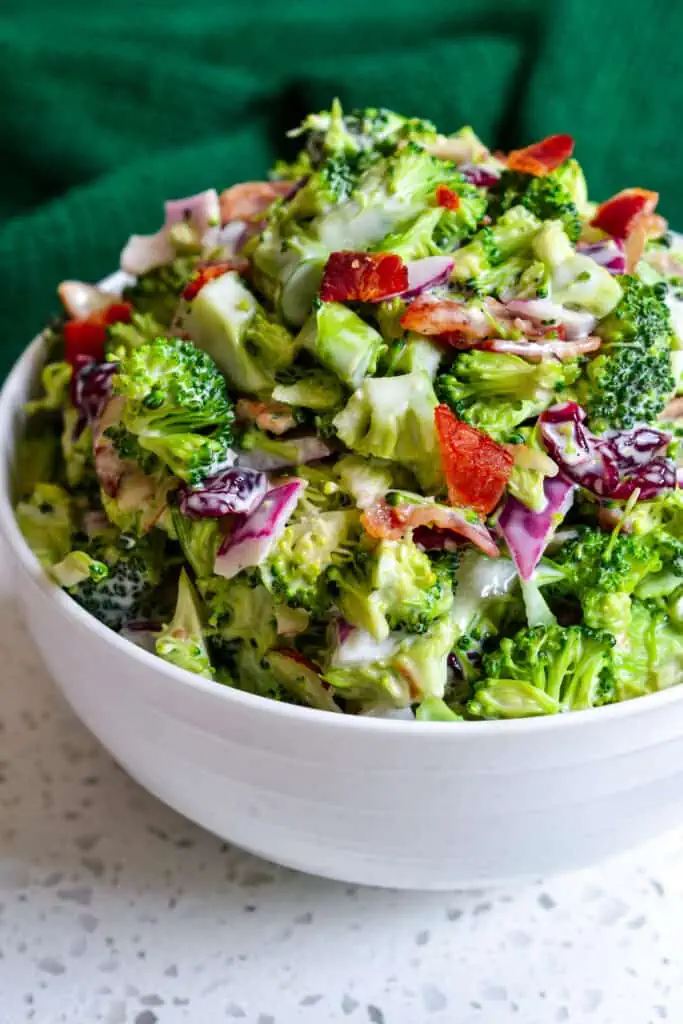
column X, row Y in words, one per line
column 527, row 533
column 254, row 538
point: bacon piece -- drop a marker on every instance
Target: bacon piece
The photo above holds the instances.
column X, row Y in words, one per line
column 672, row 411
column 443, row 316
column 250, row 199
column 541, row 157
column 275, row 417
column 642, row 228
column 379, row 520
column 477, row 467
column 453, row 520
column 363, row 277
column 535, row 351
column 206, row 274
column 615, row 215
column 447, row 198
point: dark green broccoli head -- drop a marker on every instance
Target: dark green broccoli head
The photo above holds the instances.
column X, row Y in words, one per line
column 134, row 571
column 631, row 380
column 545, row 670
column 546, row 197
column 157, row 292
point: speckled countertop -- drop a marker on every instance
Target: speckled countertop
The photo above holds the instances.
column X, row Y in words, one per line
column 115, row 909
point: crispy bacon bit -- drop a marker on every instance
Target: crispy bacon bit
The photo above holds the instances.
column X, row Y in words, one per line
column 380, row 521
column 443, row 316
column 206, row 274
column 363, row 277
column 615, row 216
column 535, row 351
column 275, row 417
column 477, row 467
column 541, row 157
column 453, row 520
column 85, row 339
column 446, row 197
column 250, row 200
column 642, row 228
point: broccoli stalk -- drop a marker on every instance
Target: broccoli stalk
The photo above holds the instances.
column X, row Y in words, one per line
column 576, row 279
column 46, row 520
column 182, row 642
column 158, row 291
column 545, row 670
column 342, row 342
column 393, row 418
column 481, row 264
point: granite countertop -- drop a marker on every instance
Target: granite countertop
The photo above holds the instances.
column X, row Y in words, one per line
column 115, row 909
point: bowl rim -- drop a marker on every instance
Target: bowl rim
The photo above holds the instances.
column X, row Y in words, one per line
column 10, row 406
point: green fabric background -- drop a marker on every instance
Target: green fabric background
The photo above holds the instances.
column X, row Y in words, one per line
column 105, row 110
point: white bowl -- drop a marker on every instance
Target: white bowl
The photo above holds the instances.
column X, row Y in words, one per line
column 390, row 803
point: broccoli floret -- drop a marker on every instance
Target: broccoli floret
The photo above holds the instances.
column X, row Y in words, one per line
column 301, row 680
column 494, row 244
column 550, row 197
column 546, row 670
column 182, row 641
column 157, row 292
column 122, row 337
column 309, row 388
column 342, row 341
column 333, row 132
column 77, row 567
column 435, row 709
column 631, row 379
column 227, row 322
column 76, row 444
column 296, row 570
column 576, row 279
column 411, row 354
column 415, row 241
column 416, row 669
column 173, row 392
column 199, row 540
column 134, row 569
column 46, row 521
column 601, row 572
column 651, row 658
column 365, row 480
column 393, row 418
column 241, row 612
column 496, row 391
column 55, row 379
column 394, row 586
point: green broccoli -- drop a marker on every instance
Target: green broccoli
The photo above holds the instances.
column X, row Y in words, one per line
column 296, row 570
column 631, row 380
column 300, row 680
column 651, row 657
column 55, row 379
column 492, row 247
column 559, row 195
column 122, row 337
column 173, row 392
column 241, row 612
column 225, row 320
column 497, row 391
column 199, row 540
column 415, row 670
column 546, row 670
column 36, row 460
column 332, row 132
column 342, row 341
column 77, row 450
column 77, row 567
column 435, row 709
column 394, row 586
column 307, row 387
column 393, row 418
column 46, row 520
column 601, row 572
column 182, row 642
column 576, row 279
column 365, row 480
column 158, row 291
column 133, row 572
column 413, row 353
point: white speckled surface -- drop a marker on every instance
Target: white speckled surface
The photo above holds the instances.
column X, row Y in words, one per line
column 115, row 909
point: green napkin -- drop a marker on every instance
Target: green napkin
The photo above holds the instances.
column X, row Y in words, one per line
column 108, row 110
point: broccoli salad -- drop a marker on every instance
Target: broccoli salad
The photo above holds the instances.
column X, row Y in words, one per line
column 396, row 432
